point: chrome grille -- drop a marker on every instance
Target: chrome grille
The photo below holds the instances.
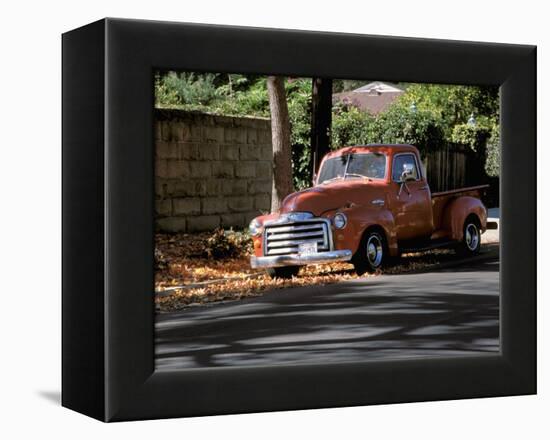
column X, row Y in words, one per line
column 285, row 238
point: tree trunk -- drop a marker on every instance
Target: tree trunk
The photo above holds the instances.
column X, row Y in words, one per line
column 321, row 120
column 280, row 137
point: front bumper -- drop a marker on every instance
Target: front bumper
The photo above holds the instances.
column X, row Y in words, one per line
column 300, row 259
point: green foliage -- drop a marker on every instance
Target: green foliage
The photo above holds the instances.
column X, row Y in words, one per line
column 482, row 137
column 230, row 94
column 351, row 127
column 453, row 104
column 250, row 101
column 186, row 89
column 474, row 136
column 165, row 95
column 234, row 83
column 440, row 113
column 299, row 111
column 492, row 165
column 227, row 244
column 398, row 125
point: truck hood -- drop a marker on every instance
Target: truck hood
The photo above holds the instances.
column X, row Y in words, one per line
column 332, row 196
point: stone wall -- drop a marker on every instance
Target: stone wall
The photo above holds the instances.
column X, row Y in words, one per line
column 210, row 170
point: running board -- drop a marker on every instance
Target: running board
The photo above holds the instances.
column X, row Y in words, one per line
column 434, row 245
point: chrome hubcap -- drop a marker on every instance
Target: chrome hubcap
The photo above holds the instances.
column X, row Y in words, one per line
column 472, row 236
column 374, row 250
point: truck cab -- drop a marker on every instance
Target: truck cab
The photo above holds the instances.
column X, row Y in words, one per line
column 367, row 203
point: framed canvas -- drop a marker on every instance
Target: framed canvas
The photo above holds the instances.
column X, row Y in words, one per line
column 134, row 169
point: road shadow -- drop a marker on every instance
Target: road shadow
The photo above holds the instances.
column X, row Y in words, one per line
column 484, row 266
column 398, row 316
column 440, row 259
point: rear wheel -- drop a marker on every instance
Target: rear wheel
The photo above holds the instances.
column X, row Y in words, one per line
column 371, row 254
column 283, row 272
column 471, row 237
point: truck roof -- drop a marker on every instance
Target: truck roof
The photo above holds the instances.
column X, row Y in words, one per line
column 385, row 148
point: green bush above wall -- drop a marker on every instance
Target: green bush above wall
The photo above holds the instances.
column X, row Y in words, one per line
column 426, row 115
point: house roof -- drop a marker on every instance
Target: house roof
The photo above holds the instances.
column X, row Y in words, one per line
column 373, row 98
column 378, row 87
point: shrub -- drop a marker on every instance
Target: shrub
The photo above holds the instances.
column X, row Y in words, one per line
column 474, row 136
column 185, row 88
column 492, row 166
column 299, row 112
column 227, row 244
column 351, row 126
column 252, row 101
column 452, row 103
column 484, row 138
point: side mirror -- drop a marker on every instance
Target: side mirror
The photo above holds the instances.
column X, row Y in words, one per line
column 407, row 174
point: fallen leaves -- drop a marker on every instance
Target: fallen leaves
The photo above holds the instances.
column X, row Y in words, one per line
column 184, row 277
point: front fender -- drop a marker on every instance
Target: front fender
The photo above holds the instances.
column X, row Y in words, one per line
column 359, row 219
column 458, row 210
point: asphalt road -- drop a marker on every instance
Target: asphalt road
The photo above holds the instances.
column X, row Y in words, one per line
column 452, row 311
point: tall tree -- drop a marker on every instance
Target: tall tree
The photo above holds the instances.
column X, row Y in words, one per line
column 280, row 137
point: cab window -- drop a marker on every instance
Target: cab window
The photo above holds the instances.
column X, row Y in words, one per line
column 400, row 162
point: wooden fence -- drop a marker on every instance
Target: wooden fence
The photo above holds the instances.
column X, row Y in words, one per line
column 446, row 168
column 456, row 166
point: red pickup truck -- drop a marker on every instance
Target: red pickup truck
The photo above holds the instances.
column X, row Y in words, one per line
column 368, row 203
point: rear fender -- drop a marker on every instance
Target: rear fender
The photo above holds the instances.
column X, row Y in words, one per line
column 458, row 210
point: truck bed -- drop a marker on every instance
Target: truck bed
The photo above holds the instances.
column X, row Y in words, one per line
column 440, row 200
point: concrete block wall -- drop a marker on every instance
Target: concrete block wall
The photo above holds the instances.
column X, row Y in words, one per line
column 210, row 171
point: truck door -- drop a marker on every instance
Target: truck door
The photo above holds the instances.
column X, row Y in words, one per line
column 410, row 202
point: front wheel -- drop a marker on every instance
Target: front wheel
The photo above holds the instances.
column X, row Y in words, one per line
column 471, row 238
column 371, row 254
column 283, row 272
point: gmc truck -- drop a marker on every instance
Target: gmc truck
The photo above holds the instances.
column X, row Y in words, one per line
column 368, row 203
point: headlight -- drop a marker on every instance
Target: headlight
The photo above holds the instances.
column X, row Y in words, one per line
column 340, row 221
column 255, row 227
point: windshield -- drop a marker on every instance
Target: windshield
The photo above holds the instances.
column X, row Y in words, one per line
column 354, row 166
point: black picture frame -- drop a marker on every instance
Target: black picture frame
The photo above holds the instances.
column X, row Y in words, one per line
column 108, row 219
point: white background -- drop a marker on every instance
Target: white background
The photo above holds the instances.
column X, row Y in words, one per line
column 30, row 217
